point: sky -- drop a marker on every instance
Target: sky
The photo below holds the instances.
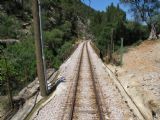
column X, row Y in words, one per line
column 101, row 5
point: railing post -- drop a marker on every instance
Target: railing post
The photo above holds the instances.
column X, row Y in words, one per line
column 121, row 52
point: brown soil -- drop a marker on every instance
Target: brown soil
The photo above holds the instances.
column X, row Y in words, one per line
column 140, row 76
column 144, row 57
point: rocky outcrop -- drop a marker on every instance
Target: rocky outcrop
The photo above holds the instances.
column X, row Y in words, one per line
column 8, row 41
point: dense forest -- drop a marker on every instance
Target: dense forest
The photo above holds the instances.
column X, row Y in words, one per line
column 64, row 23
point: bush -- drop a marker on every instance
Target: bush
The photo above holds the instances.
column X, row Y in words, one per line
column 9, row 26
column 21, row 63
column 57, row 48
column 65, row 51
column 67, row 30
column 53, row 39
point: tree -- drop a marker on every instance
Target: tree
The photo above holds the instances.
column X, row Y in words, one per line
column 145, row 11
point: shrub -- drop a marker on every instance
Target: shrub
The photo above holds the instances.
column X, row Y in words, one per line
column 9, row 26
column 21, row 63
column 53, row 39
column 65, row 51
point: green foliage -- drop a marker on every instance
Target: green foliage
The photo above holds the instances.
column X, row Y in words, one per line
column 57, row 62
column 53, row 39
column 104, row 39
column 65, row 50
column 9, row 26
column 67, row 29
column 59, row 21
column 19, row 8
column 54, row 35
column 135, row 32
column 20, row 63
column 20, row 57
column 144, row 10
column 56, row 39
column 52, row 61
column 114, row 14
column 115, row 18
column 56, row 47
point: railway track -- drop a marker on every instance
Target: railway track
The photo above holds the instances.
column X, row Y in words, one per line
column 88, row 99
column 86, row 102
column 90, row 93
column 83, row 100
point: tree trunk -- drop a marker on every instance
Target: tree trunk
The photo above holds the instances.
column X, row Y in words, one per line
column 153, row 33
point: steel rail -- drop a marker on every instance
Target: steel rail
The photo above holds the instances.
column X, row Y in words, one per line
column 98, row 99
column 75, row 87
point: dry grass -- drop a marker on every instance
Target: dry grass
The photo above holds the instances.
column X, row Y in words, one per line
column 4, row 105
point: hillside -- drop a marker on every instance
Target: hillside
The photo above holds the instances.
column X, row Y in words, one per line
column 62, row 25
column 140, row 75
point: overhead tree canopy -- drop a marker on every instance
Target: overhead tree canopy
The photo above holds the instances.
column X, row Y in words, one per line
column 145, row 11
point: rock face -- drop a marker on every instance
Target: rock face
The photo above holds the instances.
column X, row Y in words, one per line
column 8, row 41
